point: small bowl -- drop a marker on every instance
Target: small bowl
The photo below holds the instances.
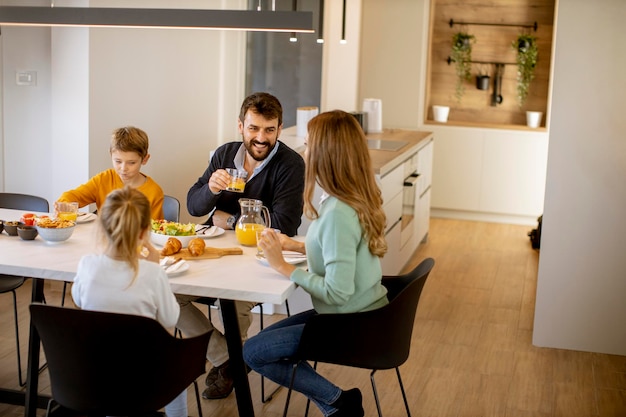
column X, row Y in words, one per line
column 11, row 227
column 53, row 235
column 27, row 232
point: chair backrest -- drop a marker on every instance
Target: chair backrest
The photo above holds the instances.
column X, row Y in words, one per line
column 23, row 202
column 115, row 364
column 375, row 339
column 171, row 208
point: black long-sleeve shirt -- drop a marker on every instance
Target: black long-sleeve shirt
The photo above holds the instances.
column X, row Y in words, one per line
column 280, row 185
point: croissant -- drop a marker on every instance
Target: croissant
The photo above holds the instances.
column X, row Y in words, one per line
column 171, row 247
column 196, row 246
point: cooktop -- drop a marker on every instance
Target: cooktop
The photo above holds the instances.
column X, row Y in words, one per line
column 386, row 145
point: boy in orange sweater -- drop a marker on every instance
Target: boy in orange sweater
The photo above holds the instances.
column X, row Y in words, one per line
column 129, row 152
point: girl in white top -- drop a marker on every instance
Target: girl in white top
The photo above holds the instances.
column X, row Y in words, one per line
column 124, row 279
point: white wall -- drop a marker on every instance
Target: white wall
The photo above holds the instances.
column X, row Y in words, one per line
column 340, row 62
column 581, row 289
column 27, row 119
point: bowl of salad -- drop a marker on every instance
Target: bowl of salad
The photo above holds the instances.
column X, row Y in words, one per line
column 163, row 230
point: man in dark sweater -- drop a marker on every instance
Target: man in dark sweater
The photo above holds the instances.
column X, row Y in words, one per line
column 275, row 176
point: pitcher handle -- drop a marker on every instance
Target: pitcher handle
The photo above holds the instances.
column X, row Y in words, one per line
column 268, row 219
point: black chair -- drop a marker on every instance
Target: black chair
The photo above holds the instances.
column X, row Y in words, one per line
column 10, row 283
column 376, row 339
column 171, row 208
column 210, row 301
column 114, row 364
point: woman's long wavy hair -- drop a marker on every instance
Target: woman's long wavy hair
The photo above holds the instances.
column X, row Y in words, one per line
column 123, row 216
column 338, row 160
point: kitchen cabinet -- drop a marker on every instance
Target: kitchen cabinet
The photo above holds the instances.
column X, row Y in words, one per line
column 486, row 175
column 406, row 201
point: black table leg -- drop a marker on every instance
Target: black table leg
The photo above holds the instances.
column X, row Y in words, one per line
column 237, row 365
column 32, row 381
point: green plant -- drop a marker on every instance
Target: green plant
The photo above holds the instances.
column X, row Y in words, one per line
column 462, row 56
column 526, row 47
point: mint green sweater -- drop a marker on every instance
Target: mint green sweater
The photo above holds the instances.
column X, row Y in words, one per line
column 343, row 276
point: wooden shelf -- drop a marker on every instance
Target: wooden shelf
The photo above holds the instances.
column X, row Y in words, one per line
column 493, row 46
column 486, row 125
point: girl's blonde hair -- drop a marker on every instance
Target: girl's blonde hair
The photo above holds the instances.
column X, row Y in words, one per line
column 338, row 160
column 123, row 216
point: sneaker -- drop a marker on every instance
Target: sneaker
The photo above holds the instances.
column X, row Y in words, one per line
column 349, row 404
column 219, row 383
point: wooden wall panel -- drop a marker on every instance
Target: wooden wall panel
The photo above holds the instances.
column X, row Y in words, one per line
column 493, row 43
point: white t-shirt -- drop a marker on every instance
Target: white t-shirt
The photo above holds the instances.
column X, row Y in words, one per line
column 104, row 284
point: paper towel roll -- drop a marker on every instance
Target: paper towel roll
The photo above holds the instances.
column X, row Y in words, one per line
column 303, row 115
column 374, row 109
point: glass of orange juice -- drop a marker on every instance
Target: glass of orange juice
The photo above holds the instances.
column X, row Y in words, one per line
column 237, row 180
column 67, row 211
column 259, row 234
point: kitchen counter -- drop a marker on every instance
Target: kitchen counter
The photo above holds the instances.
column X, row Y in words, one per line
column 383, row 161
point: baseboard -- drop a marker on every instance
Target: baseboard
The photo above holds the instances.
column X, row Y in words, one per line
column 484, row 217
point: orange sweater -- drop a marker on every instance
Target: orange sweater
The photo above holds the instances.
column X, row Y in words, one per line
column 100, row 185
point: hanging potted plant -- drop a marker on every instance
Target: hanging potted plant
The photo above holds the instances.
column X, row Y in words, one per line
column 526, row 47
column 462, row 56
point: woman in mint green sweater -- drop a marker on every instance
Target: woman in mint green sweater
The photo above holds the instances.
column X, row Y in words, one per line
column 343, row 245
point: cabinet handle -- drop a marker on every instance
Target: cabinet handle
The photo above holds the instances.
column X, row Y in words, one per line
column 410, row 181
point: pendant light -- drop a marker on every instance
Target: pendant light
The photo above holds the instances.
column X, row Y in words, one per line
column 294, row 7
column 250, row 20
column 320, row 26
column 343, row 24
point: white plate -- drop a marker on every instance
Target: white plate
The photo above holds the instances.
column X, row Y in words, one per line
column 159, row 239
column 86, row 218
column 214, row 231
column 293, row 258
column 183, row 268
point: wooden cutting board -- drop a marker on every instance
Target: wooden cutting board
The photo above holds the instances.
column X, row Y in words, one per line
column 209, row 253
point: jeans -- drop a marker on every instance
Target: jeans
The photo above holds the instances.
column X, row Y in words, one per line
column 270, row 354
column 178, row 406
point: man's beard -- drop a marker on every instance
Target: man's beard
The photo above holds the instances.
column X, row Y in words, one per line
column 252, row 150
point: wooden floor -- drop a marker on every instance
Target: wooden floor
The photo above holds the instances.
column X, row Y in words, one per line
column 471, row 355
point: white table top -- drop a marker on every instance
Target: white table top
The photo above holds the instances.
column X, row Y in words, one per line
column 236, row 277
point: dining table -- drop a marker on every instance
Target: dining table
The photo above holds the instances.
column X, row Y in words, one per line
column 242, row 277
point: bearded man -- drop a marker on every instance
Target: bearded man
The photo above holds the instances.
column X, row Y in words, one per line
column 276, row 177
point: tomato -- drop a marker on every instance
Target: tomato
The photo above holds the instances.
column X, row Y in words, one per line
column 28, row 219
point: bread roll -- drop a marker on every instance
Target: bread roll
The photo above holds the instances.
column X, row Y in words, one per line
column 196, row 246
column 171, row 247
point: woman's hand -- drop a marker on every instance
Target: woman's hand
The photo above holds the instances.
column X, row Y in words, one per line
column 288, row 243
column 272, row 247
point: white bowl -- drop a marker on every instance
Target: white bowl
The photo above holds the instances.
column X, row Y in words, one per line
column 159, row 239
column 50, row 234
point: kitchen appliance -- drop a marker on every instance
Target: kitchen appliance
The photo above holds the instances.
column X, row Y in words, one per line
column 361, row 117
column 374, row 109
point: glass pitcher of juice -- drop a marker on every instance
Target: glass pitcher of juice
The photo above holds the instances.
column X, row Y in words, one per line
column 254, row 216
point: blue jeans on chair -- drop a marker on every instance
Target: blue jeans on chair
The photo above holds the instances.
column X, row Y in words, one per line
column 271, row 351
